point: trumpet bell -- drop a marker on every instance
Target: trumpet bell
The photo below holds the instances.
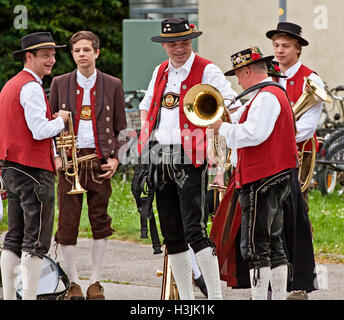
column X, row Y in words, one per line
column 203, row 105
column 76, row 187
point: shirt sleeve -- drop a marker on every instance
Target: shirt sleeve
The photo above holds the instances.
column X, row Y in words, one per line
column 147, row 99
column 214, row 76
column 260, row 123
column 33, row 102
column 308, row 122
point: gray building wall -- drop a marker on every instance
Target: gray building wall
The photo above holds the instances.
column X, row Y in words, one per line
column 232, row 25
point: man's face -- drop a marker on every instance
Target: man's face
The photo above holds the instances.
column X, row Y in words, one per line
column 41, row 63
column 243, row 77
column 286, row 51
column 179, row 51
column 84, row 54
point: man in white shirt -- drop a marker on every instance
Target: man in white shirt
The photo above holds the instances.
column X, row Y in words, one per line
column 27, row 127
column 262, row 139
column 97, row 104
column 287, row 43
column 181, row 165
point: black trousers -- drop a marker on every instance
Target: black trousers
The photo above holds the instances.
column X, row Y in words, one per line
column 31, row 195
column 180, row 198
column 298, row 239
column 261, row 243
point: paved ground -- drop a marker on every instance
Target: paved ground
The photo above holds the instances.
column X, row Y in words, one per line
column 130, row 274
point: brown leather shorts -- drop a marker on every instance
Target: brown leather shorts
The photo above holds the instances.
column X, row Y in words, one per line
column 70, row 206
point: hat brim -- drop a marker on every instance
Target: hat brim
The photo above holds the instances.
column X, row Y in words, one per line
column 161, row 39
column 18, row 55
column 277, row 75
column 303, row 42
column 264, row 59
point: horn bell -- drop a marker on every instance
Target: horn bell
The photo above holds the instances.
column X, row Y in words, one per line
column 203, row 105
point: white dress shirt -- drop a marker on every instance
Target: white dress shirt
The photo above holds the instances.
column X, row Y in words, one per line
column 260, row 122
column 85, row 137
column 308, row 122
column 33, row 102
column 169, row 131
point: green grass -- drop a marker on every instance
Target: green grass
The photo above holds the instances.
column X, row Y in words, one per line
column 326, row 214
column 327, row 217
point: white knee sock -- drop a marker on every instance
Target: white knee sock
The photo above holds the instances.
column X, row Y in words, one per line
column 182, row 272
column 195, row 269
column 69, row 259
column 278, row 282
column 98, row 253
column 260, row 290
column 9, row 273
column 31, row 267
column 209, row 266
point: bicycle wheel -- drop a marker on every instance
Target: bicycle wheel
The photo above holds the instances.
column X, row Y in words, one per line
column 333, row 139
column 331, row 174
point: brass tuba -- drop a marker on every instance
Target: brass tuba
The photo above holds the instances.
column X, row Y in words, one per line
column 204, row 105
column 311, row 95
column 169, row 290
column 64, row 142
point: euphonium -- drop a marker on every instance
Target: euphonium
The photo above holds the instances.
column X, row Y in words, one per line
column 204, row 105
column 64, row 142
column 311, row 95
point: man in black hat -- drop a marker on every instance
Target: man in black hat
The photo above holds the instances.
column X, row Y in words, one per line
column 287, row 43
column 262, row 139
column 181, row 165
column 27, row 126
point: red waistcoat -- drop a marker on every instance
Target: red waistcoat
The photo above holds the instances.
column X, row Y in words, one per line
column 17, row 143
column 294, row 89
column 79, row 106
column 275, row 154
column 193, row 137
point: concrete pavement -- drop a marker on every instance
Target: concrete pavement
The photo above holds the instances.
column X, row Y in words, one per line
column 130, row 273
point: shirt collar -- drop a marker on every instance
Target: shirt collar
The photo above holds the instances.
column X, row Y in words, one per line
column 293, row 69
column 34, row 75
column 253, row 93
column 86, row 83
column 186, row 66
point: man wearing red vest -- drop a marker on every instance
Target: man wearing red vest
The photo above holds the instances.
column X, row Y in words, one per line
column 97, row 103
column 181, row 163
column 287, row 44
column 262, row 139
column 27, row 126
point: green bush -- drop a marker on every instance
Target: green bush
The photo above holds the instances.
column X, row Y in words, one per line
column 62, row 19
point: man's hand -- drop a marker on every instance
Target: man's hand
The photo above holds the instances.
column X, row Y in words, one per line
column 58, row 163
column 63, row 114
column 110, row 167
column 219, row 179
column 215, row 126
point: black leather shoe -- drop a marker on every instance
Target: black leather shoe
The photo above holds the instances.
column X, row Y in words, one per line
column 199, row 282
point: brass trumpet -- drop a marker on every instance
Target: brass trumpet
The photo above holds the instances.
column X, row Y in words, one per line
column 311, row 95
column 64, row 142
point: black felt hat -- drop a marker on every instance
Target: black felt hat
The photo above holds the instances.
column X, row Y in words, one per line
column 245, row 58
column 176, row 29
column 34, row 41
column 290, row 29
column 274, row 69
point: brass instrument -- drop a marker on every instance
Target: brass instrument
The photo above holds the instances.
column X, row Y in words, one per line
column 65, row 141
column 204, row 105
column 311, row 95
column 169, row 289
